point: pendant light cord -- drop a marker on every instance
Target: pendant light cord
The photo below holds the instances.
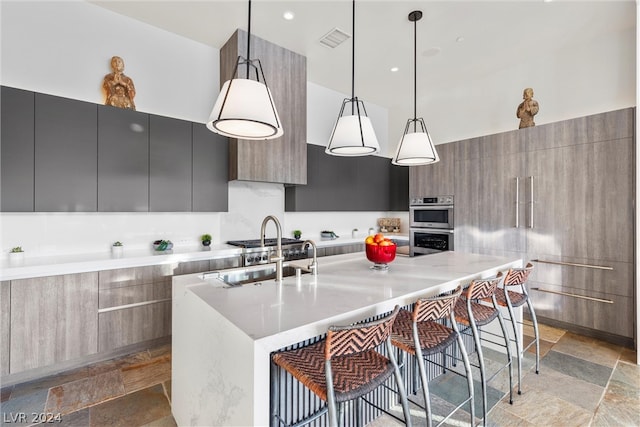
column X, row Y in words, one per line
column 415, row 73
column 249, row 41
column 353, row 55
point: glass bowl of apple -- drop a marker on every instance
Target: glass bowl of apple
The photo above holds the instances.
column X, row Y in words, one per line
column 380, row 251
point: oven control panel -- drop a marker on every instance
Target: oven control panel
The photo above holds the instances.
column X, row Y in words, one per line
column 434, row 200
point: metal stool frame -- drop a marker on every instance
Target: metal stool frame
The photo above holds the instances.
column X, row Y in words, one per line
column 472, row 314
column 331, row 358
column 510, row 299
column 425, row 325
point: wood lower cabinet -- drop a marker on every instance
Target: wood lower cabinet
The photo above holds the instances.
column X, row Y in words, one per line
column 5, row 330
column 135, row 303
column 53, row 319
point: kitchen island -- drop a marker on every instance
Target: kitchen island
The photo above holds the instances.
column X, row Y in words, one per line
column 223, row 337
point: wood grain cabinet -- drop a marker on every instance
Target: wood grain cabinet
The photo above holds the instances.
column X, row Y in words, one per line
column 17, row 150
column 558, row 193
column 135, row 303
column 487, row 210
column 123, row 160
column 283, row 159
column 53, row 319
column 437, row 179
column 5, row 330
column 66, row 152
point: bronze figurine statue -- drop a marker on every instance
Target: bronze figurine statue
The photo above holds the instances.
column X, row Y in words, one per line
column 527, row 109
column 119, row 88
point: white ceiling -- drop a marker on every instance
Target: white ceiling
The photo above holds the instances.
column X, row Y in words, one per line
column 496, row 34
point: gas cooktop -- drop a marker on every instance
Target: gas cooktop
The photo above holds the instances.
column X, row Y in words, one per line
column 255, row 243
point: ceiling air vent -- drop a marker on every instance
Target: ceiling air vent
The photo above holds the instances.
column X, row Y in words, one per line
column 334, row 38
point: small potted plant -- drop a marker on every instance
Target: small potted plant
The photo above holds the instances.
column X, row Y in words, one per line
column 206, row 239
column 16, row 254
column 117, row 248
column 297, row 234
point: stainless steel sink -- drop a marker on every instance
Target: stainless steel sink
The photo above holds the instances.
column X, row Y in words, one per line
column 247, row 275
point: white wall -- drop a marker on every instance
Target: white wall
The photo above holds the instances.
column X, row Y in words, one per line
column 64, row 49
column 323, row 106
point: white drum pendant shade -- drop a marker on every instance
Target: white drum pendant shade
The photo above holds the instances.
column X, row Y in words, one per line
column 353, row 136
column 245, row 110
column 415, row 148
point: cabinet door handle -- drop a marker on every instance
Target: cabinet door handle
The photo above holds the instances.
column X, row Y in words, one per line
column 573, row 264
column 517, row 202
column 531, row 204
column 606, row 301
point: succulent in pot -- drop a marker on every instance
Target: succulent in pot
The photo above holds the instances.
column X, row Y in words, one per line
column 16, row 254
column 297, row 234
column 206, row 239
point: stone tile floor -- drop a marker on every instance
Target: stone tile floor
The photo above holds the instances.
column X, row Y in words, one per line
column 582, row 382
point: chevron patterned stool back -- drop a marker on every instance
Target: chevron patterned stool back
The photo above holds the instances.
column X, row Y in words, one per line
column 344, row 366
column 423, row 333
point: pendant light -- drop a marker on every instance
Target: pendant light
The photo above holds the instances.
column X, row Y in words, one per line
column 415, row 147
column 353, row 133
column 244, row 108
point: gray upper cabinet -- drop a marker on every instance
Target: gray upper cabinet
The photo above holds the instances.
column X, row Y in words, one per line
column 347, row 184
column 123, row 160
column 17, row 135
column 170, row 165
column 437, row 179
column 65, row 155
column 210, row 170
column 399, row 188
column 283, row 159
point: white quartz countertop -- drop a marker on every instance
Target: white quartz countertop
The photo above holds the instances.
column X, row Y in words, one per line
column 82, row 263
column 345, row 290
column 43, row 266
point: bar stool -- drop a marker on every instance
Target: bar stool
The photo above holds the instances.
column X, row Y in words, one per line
column 510, row 299
column 473, row 315
column 343, row 366
column 420, row 334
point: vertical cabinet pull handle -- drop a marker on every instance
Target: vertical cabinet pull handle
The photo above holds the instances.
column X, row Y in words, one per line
column 517, row 202
column 531, row 204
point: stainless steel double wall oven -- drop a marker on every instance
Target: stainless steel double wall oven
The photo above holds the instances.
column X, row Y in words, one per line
column 431, row 224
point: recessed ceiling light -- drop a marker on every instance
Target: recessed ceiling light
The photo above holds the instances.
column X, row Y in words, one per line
column 394, row 69
column 460, row 39
column 288, row 15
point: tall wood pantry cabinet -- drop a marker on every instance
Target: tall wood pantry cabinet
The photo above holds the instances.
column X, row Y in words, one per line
column 560, row 195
